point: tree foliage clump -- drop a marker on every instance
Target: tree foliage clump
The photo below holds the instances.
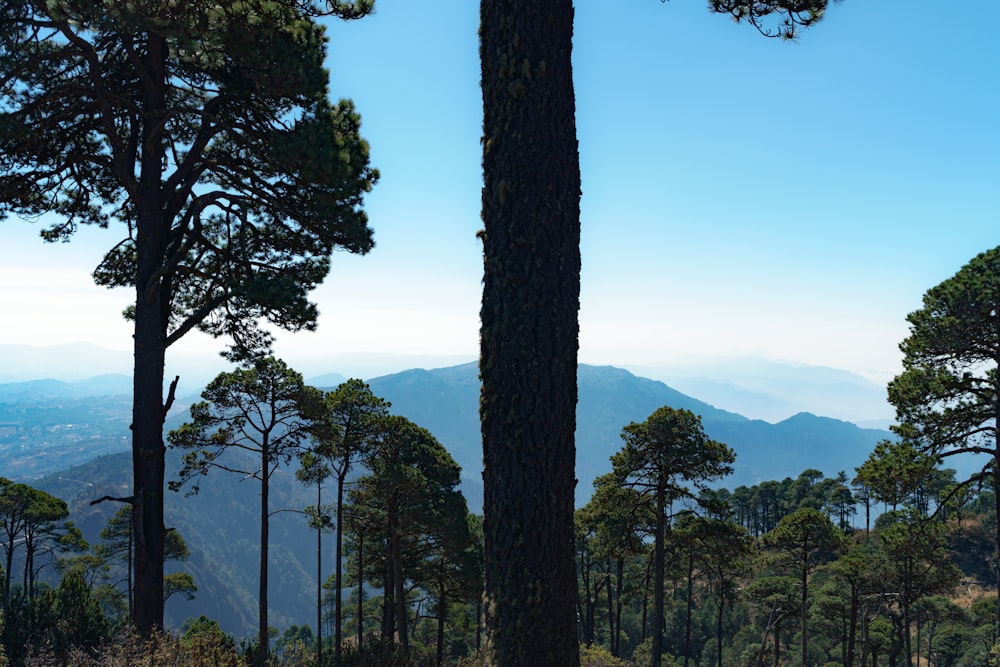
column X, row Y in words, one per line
column 947, row 398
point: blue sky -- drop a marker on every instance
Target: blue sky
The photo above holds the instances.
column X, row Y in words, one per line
column 741, row 196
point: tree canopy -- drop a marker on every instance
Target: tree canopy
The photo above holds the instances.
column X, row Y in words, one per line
column 207, row 132
column 947, row 398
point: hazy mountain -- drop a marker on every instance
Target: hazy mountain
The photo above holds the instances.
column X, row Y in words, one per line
column 72, row 361
column 775, row 390
column 446, row 401
column 220, row 523
column 326, row 381
column 757, row 388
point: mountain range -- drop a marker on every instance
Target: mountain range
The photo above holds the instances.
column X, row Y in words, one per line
column 71, row 439
column 766, row 389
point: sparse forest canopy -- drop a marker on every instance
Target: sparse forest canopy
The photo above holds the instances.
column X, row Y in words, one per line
column 207, row 133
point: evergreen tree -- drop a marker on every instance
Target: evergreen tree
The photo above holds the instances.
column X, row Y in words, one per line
column 947, row 398
column 800, row 543
column 349, row 426
column 264, row 413
column 411, row 496
column 660, row 455
column 207, row 131
column 919, row 565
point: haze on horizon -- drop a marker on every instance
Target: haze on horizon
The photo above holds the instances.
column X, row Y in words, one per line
column 742, row 197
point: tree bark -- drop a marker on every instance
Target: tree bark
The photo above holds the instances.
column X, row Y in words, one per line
column 338, row 564
column 687, row 614
column 442, row 611
column 152, row 306
column 804, row 608
column 718, row 621
column 263, row 639
column 361, row 589
column 659, row 570
column 319, row 576
column 529, row 336
column 996, row 506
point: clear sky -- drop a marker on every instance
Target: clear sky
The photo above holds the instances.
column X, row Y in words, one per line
column 741, row 196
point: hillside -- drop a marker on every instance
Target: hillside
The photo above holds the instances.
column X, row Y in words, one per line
column 446, row 402
column 220, row 523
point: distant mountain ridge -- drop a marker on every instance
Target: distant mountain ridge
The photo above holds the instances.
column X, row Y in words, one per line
column 82, row 419
column 220, row 523
column 771, row 390
column 446, row 400
column 774, row 391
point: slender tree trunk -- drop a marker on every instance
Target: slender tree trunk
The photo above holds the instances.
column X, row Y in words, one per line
column 718, row 621
column 361, row 588
column 996, row 507
column 659, row 569
column 907, row 624
column 152, row 307
column 804, row 610
column 589, row 613
column 612, row 632
column 29, row 560
column 319, row 573
column 399, row 595
column 338, row 573
column 583, row 597
column 529, row 335
column 264, row 644
column 617, row 640
column 442, row 609
column 687, row 619
column 7, row 572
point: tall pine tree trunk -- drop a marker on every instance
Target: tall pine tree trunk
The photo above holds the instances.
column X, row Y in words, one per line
column 361, row 589
column 442, row 612
column 659, row 572
column 319, row 573
column 152, row 307
column 996, row 506
column 338, row 561
column 529, row 336
column 263, row 638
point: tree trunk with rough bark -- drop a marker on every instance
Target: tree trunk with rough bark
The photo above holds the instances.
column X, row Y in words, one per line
column 263, row 638
column 529, row 336
column 152, row 307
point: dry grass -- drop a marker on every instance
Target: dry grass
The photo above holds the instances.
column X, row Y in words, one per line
column 127, row 649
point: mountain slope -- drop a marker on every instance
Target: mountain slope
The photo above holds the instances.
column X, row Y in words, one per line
column 220, row 523
column 445, row 401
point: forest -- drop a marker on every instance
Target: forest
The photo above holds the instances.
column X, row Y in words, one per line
column 207, row 134
column 888, row 565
